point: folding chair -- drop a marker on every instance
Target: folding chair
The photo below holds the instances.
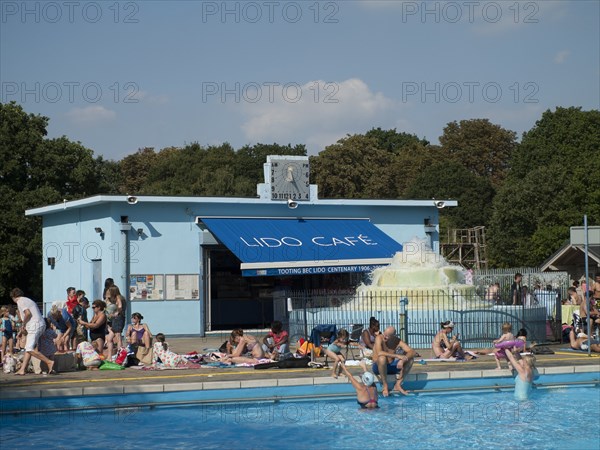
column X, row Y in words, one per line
column 322, row 336
column 357, row 329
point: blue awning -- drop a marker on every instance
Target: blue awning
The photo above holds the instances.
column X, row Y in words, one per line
column 292, row 246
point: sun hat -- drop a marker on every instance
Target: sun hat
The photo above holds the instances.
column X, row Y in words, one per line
column 368, row 378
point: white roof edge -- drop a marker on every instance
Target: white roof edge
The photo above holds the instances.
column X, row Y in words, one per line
column 99, row 199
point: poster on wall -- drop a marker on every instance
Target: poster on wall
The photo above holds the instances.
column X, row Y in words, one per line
column 182, row 287
column 146, row 287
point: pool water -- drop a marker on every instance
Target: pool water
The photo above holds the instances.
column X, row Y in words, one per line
column 473, row 420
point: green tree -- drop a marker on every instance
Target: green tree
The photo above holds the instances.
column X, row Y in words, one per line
column 354, row 167
column 134, row 169
column 451, row 180
column 553, row 182
column 36, row 171
column 482, row 147
column 393, row 141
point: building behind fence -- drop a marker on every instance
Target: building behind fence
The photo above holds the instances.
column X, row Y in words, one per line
column 417, row 314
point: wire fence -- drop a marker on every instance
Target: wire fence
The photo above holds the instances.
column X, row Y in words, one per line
column 477, row 311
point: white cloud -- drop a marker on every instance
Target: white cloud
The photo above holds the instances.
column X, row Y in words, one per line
column 91, row 115
column 561, row 56
column 145, row 96
column 317, row 113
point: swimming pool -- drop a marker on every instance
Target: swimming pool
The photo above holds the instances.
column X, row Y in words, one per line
column 469, row 420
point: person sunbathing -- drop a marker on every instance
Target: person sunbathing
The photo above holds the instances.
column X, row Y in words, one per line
column 244, row 342
column 580, row 342
column 167, row 357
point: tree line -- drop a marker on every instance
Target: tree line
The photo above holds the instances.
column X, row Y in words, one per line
column 527, row 193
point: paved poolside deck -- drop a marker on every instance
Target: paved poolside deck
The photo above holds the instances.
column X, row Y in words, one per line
column 141, row 381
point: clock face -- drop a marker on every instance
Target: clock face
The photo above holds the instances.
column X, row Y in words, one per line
column 290, row 180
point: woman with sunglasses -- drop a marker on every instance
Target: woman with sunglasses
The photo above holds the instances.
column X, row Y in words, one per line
column 97, row 325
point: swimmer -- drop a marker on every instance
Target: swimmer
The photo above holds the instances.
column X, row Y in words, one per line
column 366, row 392
column 524, row 366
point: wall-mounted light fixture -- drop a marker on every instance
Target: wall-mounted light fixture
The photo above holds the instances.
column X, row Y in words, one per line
column 292, row 204
column 140, row 232
column 100, row 231
column 52, row 261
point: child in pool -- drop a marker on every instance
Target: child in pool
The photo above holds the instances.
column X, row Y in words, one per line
column 334, row 351
column 524, row 365
column 506, row 336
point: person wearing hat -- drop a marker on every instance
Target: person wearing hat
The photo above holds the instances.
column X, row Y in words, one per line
column 366, row 392
column 445, row 348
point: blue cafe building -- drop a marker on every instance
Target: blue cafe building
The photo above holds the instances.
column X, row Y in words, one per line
column 194, row 264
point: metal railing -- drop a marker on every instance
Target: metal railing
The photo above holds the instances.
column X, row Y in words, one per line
column 417, row 314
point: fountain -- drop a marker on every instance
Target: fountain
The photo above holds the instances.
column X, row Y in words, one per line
column 421, row 276
column 415, row 292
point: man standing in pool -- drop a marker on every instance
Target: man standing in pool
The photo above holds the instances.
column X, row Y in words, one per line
column 392, row 356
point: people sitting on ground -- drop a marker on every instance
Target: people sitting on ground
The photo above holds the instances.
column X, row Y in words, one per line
column 6, row 329
column 244, row 343
column 64, row 326
column 392, row 356
column 276, row 342
column 334, row 351
column 367, row 338
column 524, row 365
column 366, row 392
column 138, row 334
column 580, row 341
column 169, row 359
column 97, row 325
column 88, row 354
column 445, row 348
column 504, row 343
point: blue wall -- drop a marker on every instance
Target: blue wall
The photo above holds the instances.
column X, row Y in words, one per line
column 171, row 241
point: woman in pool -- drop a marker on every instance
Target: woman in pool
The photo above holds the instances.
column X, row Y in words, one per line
column 366, row 392
column 445, row 348
column 524, row 379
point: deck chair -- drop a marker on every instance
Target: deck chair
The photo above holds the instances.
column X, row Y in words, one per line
column 323, row 335
column 357, row 329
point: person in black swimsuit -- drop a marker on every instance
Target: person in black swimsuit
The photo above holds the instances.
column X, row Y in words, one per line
column 366, row 392
column 97, row 325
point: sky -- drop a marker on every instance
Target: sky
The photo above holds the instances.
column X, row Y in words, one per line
column 120, row 76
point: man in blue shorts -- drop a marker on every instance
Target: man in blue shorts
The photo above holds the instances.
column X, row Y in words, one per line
column 392, row 356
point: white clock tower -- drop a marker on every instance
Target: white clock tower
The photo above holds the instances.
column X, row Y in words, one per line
column 287, row 178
